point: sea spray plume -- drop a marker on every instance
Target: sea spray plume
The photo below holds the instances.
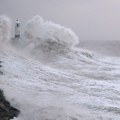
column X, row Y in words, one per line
column 47, row 36
column 33, row 27
column 5, row 29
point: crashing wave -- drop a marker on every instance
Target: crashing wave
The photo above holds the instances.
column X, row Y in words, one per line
column 45, row 36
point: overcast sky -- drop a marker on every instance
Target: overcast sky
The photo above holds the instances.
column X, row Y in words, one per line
column 89, row 19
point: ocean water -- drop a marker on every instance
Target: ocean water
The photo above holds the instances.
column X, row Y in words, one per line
column 47, row 77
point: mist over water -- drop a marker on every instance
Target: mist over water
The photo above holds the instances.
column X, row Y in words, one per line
column 45, row 39
column 47, row 77
column 90, row 20
column 48, row 33
column 5, row 29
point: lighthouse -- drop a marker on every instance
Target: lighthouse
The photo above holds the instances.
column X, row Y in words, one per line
column 17, row 29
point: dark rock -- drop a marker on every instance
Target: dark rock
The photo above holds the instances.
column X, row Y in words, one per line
column 7, row 112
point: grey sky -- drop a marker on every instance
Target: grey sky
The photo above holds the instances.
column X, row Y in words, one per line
column 89, row 19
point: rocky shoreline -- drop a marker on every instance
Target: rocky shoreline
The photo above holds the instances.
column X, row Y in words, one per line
column 7, row 112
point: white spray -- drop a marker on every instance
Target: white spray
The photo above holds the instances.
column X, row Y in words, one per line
column 5, row 29
column 46, row 36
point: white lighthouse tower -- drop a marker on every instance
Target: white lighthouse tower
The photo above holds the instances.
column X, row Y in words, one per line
column 17, row 29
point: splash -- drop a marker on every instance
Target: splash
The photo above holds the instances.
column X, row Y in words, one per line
column 45, row 36
column 5, row 29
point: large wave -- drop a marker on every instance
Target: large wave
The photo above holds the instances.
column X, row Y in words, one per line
column 45, row 36
column 41, row 39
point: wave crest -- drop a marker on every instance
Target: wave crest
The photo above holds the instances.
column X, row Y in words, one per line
column 47, row 36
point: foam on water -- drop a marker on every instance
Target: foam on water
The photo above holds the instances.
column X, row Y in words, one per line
column 76, row 85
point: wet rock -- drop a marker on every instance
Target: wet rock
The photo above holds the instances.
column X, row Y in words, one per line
column 7, row 112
